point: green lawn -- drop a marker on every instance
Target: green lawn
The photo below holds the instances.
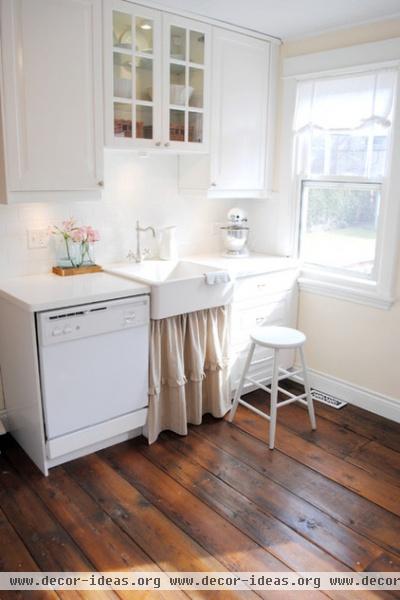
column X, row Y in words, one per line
column 350, row 248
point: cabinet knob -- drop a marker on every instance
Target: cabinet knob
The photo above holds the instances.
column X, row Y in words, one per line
column 158, row 143
column 100, row 183
column 213, row 184
column 166, row 144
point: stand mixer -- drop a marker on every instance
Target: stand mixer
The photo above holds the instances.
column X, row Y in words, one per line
column 235, row 234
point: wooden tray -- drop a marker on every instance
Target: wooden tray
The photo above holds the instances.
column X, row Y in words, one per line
column 66, row 271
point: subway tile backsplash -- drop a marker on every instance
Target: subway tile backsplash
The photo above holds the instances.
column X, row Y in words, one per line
column 134, row 188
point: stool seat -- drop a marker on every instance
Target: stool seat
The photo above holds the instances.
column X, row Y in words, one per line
column 278, row 337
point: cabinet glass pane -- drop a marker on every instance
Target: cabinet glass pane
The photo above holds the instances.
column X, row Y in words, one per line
column 178, row 43
column 144, row 35
column 195, row 127
column 122, row 120
column 122, row 30
column 122, row 75
column 144, row 79
column 177, row 125
column 177, row 93
column 196, row 87
column 196, row 47
column 144, row 122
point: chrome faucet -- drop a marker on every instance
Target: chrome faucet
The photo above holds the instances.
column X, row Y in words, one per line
column 139, row 254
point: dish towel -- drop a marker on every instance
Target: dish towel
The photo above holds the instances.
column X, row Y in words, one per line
column 189, row 374
column 214, row 277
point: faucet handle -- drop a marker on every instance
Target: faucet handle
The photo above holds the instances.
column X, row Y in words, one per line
column 131, row 256
column 146, row 252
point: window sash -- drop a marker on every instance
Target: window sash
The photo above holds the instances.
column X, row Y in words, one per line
column 363, row 184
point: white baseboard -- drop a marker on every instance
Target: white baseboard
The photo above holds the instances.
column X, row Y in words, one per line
column 382, row 405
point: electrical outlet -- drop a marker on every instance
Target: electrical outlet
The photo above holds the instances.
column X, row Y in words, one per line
column 38, row 238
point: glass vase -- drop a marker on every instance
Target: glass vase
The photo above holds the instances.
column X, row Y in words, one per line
column 87, row 254
column 69, row 253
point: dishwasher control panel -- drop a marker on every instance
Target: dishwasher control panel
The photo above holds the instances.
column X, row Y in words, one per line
column 92, row 319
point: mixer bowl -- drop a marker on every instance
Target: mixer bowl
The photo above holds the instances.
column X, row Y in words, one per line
column 235, row 238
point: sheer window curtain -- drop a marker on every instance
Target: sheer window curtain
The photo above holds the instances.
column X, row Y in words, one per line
column 341, row 104
column 189, row 373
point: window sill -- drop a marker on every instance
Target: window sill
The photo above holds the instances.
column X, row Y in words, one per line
column 350, row 290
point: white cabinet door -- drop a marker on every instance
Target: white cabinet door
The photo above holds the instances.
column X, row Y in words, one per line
column 186, row 73
column 240, row 94
column 133, row 81
column 51, row 95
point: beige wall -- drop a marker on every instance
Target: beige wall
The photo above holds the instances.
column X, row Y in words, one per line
column 350, row 341
column 372, row 32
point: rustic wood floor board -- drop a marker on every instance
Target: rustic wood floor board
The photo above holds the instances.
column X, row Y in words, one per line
column 344, row 544
column 49, row 544
column 215, row 500
column 363, row 422
column 329, row 435
column 357, row 449
column 385, row 495
column 161, row 539
column 16, row 557
column 219, row 537
column 106, row 546
column 378, row 460
column 286, row 545
column 340, row 503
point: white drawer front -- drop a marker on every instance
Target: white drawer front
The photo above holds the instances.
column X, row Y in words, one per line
column 247, row 316
column 263, row 285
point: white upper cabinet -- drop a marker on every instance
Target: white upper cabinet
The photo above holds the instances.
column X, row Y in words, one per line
column 239, row 112
column 51, row 98
column 242, row 93
column 156, row 79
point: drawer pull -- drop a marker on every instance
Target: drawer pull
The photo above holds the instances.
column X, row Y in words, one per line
column 259, row 320
column 261, row 285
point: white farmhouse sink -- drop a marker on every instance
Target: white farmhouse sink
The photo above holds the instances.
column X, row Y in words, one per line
column 177, row 287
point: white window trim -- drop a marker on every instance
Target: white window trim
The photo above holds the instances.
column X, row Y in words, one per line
column 379, row 293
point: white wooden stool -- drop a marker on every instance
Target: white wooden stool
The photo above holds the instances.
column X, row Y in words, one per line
column 276, row 338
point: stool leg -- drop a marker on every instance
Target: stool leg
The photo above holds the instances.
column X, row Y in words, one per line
column 310, row 404
column 241, row 382
column 274, row 400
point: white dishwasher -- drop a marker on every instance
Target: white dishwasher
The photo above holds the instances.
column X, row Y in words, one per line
column 93, row 366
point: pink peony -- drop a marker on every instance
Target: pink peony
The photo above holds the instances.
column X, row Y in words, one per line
column 92, row 234
column 78, row 235
column 69, row 224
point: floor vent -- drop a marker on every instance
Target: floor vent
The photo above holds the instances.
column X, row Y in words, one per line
column 327, row 399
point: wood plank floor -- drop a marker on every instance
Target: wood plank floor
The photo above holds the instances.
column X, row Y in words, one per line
column 215, row 500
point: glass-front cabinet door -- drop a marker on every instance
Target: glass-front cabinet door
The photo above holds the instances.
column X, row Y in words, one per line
column 133, row 76
column 157, row 70
column 186, row 60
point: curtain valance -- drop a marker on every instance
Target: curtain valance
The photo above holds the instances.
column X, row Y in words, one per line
column 345, row 102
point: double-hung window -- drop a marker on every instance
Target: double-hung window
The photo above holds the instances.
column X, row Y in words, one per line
column 343, row 127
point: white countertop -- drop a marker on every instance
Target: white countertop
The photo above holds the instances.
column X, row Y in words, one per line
column 35, row 293
column 254, row 264
column 45, row 292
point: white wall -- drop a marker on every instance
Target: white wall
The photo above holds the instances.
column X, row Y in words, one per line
column 135, row 188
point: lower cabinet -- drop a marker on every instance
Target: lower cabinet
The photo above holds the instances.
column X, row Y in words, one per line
column 269, row 299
